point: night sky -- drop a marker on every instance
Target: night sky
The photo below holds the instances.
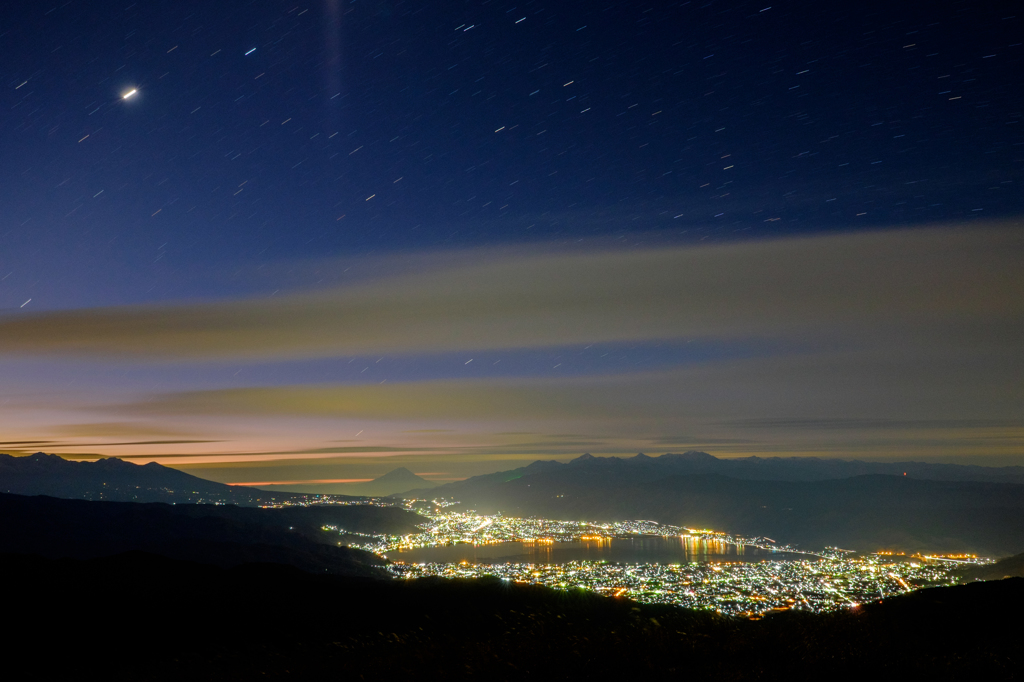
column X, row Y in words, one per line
column 271, row 241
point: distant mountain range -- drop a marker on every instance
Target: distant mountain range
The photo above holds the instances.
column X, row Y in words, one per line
column 804, row 501
column 763, row 468
column 117, row 480
column 395, row 481
column 810, row 503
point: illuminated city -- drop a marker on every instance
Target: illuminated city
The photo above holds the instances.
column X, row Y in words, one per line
column 444, row 528
column 739, row 588
column 745, row 585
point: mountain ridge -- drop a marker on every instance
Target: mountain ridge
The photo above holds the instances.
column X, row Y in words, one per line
column 865, row 512
column 755, row 468
column 115, row 479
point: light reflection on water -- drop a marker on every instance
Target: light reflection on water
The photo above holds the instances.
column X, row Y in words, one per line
column 646, row 549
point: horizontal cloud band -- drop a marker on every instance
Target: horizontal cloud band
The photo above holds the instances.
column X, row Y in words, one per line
column 844, row 282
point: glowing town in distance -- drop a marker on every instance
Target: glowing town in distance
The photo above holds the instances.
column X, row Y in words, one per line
column 820, row 581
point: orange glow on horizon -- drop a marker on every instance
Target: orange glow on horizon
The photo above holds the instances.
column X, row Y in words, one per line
column 309, row 482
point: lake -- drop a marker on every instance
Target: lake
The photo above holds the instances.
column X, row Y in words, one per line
column 645, row 549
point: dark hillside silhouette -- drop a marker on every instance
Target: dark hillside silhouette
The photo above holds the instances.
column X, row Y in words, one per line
column 221, row 535
column 142, row 617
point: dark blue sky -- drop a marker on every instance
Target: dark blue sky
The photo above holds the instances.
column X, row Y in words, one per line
column 695, row 120
column 689, row 213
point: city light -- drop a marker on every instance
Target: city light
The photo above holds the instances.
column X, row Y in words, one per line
column 787, row 578
column 749, row 589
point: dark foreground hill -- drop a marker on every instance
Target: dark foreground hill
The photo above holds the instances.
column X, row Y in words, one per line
column 142, row 617
column 863, row 513
column 1010, row 567
column 222, row 535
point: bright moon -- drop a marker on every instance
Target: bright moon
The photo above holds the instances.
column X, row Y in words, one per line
column 131, row 93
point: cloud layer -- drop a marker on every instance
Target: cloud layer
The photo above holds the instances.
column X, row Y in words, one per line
column 845, row 284
column 901, row 344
